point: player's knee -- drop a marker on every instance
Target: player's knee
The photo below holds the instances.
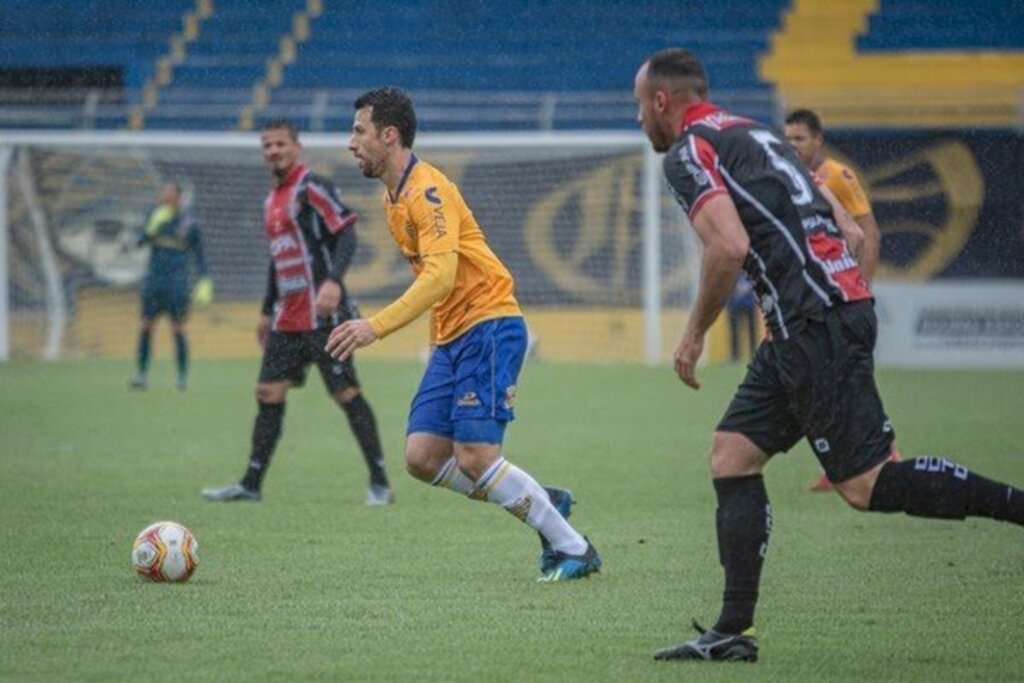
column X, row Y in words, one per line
column 734, row 455
column 856, row 492
column 271, row 393
column 475, row 459
column 346, row 396
column 419, row 464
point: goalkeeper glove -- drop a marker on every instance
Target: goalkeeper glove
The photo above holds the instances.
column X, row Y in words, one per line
column 202, row 293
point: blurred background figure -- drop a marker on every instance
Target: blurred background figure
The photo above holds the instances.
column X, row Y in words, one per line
column 742, row 320
column 172, row 234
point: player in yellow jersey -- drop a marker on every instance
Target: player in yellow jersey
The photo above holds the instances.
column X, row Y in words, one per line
column 805, row 132
column 458, row 416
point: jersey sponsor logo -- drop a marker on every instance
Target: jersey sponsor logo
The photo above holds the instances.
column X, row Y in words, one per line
column 822, row 445
column 281, row 244
column 839, row 265
column 440, row 224
column 431, row 195
column 291, row 285
column 812, row 223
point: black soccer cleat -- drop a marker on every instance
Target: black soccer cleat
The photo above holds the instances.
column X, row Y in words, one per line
column 713, row 646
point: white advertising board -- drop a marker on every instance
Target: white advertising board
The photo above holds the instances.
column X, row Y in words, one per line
column 971, row 324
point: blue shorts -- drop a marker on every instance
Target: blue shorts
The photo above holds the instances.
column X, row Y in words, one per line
column 165, row 296
column 469, row 386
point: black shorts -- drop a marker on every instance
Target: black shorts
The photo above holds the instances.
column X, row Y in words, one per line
column 820, row 385
column 287, row 355
column 165, row 296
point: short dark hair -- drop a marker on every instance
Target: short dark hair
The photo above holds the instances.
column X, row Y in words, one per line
column 808, row 118
column 282, row 124
column 391, row 107
column 677, row 64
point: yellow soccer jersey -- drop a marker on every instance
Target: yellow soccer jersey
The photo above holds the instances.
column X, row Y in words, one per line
column 844, row 185
column 429, row 217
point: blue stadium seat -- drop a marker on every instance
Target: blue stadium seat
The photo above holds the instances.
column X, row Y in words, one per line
column 520, row 45
column 926, row 25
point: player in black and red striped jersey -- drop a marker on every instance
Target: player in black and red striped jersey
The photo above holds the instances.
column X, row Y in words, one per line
column 756, row 207
column 312, row 239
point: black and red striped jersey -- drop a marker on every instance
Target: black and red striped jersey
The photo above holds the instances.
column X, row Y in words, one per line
column 798, row 260
column 312, row 238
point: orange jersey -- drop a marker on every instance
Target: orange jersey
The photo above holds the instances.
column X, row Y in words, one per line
column 428, row 216
column 844, row 185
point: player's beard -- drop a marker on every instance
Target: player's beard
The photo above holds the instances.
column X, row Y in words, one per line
column 371, row 169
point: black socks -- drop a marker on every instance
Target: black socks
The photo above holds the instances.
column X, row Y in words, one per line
column 265, row 433
column 744, row 522
column 935, row 487
column 364, row 427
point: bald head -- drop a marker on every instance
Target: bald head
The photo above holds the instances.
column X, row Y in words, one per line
column 664, row 86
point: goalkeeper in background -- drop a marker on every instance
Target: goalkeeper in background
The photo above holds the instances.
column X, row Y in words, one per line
column 171, row 233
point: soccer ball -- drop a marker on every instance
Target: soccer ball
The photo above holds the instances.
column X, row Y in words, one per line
column 165, row 551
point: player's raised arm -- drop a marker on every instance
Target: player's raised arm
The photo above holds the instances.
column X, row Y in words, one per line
column 726, row 243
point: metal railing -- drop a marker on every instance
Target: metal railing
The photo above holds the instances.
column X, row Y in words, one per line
column 331, row 109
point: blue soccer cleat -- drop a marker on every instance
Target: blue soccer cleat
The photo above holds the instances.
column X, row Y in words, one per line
column 563, row 501
column 570, row 567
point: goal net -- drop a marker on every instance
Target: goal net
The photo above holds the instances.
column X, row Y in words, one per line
column 602, row 261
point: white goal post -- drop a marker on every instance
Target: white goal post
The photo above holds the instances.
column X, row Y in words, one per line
column 600, row 252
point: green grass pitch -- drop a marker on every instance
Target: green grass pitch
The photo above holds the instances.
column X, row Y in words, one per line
column 310, row 585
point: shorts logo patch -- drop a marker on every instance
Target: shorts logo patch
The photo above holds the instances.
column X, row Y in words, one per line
column 468, row 400
column 887, row 427
column 510, row 396
column 338, row 369
column 822, row 446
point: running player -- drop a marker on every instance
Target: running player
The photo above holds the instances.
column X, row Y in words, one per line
column 458, row 417
column 172, row 233
column 755, row 207
column 312, row 238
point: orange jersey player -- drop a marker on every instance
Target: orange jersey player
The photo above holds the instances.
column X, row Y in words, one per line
column 805, row 133
column 459, row 414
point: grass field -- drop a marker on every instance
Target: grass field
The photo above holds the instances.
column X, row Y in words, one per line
column 311, row 585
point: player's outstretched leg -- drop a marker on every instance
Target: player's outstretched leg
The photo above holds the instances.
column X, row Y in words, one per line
column 451, row 477
column 142, row 355
column 364, row 427
column 265, row 433
column 929, row 486
column 573, row 556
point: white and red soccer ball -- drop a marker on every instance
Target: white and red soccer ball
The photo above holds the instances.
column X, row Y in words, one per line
column 165, row 551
